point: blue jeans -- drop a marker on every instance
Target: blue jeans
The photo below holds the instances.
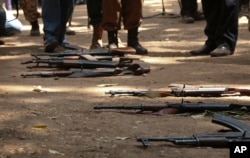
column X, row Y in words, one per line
column 55, row 15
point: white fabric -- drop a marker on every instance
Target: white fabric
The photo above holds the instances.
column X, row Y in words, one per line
column 12, row 22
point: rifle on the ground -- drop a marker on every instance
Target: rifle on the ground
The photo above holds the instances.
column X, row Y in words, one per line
column 69, row 63
column 239, row 132
column 134, row 69
column 124, row 59
column 182, row 90
column 98, row 51
column 74, row 73
column 172, row 108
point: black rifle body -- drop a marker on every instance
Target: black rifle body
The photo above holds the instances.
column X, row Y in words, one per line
column 239, row 132
column 181, row 107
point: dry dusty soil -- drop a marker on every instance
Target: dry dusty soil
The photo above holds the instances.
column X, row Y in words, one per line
column 59, row 121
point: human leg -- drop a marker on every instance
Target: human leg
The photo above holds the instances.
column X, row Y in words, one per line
column 51, row 13
column 132, row 13
column 227, row 31
column 111, row 20
column 67, row 7
column 185, row 11
column 31, row 14
column 2, row 21
column 195, row 14
column 55, row 16
column 210, row 9
column 95, row 15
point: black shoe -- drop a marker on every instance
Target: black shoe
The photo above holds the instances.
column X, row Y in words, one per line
column 221, row 51
column 139, row 48
column 187, row 19
column 50, row 46
column 35, row 32
column 1, row 42
column 198, row 16
column 205, row 50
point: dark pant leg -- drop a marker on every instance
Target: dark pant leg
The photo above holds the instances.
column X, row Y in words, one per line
column 222, row 22
column 111, row 12
column 193, row 6
column 227, row 31
column 51, row 13
column 210, row 10
column 67, row 7
column 2, row 21
column 94, row 11
column 131, row 13
column 55, row 15
column 30, row 10
column 188, row 7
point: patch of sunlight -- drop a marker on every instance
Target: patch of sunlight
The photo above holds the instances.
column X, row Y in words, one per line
column 21, row 44
column 160, row 60
column 10, row 57
column 14, row 88
column 172, row 30
column 243, row 20
column 56, row 89
column 148, row 27
column 26, row 28
column 17, row 89
column 152, row 2
column 12, row 148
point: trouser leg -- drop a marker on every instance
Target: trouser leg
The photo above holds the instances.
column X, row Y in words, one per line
column 111, row 14
column 222, row 22
column 55, row 15
column 94, row 8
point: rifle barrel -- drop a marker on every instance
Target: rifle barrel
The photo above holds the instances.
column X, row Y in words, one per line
column 141, row 107
column 47, row 73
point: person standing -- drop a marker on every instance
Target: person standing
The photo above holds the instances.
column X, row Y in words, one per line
column 31, row 15
column 130, row 11
column 189, row 11
column 94, row 8
column 221, row 27
column 55, row 15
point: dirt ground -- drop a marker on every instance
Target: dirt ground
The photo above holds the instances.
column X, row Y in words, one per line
column 60, row 120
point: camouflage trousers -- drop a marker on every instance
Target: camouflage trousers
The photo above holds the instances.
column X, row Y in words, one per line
column 30, row 10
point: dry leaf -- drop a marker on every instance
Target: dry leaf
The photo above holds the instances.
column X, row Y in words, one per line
column 39, row 126
column 55, row 152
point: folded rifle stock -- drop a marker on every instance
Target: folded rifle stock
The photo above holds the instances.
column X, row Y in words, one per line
column 239, row 132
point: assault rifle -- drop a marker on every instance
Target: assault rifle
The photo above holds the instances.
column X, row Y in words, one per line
column 182, row 90
column 74, row 73
column 98, row 51
column 134, row 69
column 124, row 59
column 239, row 132
column 69, row 63
column 170, row 108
